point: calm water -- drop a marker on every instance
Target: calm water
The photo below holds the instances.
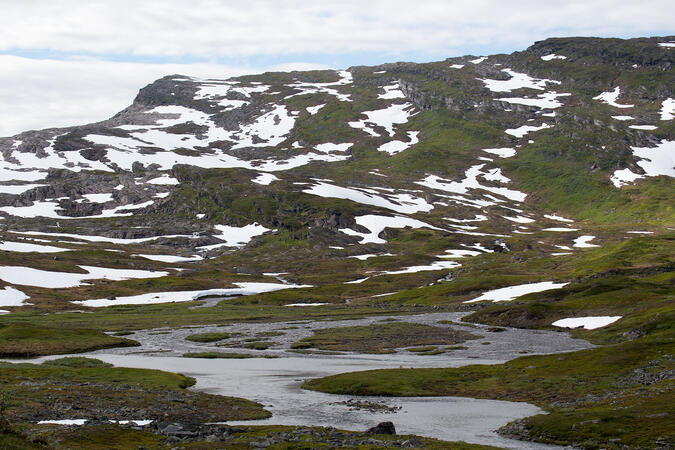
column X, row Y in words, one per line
column 275, row 383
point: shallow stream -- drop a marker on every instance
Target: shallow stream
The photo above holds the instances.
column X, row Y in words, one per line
column 275, row 382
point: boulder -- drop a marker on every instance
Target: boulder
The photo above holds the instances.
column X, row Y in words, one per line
column 383, row 428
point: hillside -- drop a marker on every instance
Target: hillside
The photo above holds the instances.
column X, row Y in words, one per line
column 401, row 188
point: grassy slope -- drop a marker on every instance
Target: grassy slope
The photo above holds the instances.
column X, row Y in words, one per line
column 382, row 338
column 623, row 390
column 96, row 390
column 112, row 436
column 207, row 337
column 581, row 389
column 565, row 170
column 176, row 315
column 29, row 340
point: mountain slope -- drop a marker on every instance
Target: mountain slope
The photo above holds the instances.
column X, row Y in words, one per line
column 477, row 150
column 533, row 189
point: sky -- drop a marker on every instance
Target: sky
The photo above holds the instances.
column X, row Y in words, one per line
column 69, row 62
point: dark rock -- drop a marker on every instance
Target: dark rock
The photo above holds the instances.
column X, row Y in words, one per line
column 383, row 428
column 172, row 428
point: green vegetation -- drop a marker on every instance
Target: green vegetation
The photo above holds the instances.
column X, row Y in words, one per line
column 619, row 391
column 179, row 314
column 616, row 395
column 425, row 349
column 123, row 333
column 558, row 170
column 573, row 386
column 315, row 437
column 14, row 440
column 259, row 345
column 76, row 362
column 112, row 436
column 102, row 437
column 27, row 340
column 301, row 345
column 381, row 337
column 208, row 337
column 96, row 390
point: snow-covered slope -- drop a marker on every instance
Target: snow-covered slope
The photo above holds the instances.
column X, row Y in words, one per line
column 480, row 152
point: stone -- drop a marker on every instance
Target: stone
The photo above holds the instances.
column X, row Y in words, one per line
column 383, row 428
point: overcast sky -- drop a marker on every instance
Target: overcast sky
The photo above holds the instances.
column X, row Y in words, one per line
column 67, row 62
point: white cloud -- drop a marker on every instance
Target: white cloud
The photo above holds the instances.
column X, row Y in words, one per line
column 37, row 94
column 207, row 28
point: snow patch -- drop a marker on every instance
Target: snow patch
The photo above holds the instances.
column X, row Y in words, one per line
column 402, row 203
column 517, row 81
column 611, row 97
column 386, row 118
column 394, row 147
column 519, row 219
column 103, row 238
column 17, row 189
column 329, row 147
column 265, row 179
column 558, row 218
column 552, row 56
column 659, row 160
column 583, row 242
column 477, row 218
column 360, row 280
column 623, row 177
column 369, row 255
column 324, row 88
column 12, row 297
column 456, row 253
column 391, row 92
column 170, row 258
column 501, row 152
column 437, row 265
column 63, row 422
column 307, row 304
column 522, row 131
column 548, row 100
column 24, row 247
column 272, row 128
column 376, row 224
column 187, row 296
column 18, row 174
column 235, row 236
column 668, row 109
column 513, row 292
column 315, row 109
column 164, row 180
column 470, row 181
column 27, row 276
column 99, row 198
column 588, row 323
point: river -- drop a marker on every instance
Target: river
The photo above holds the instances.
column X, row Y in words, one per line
column 275, row 382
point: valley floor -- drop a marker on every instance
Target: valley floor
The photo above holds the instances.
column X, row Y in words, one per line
column 273, row 376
